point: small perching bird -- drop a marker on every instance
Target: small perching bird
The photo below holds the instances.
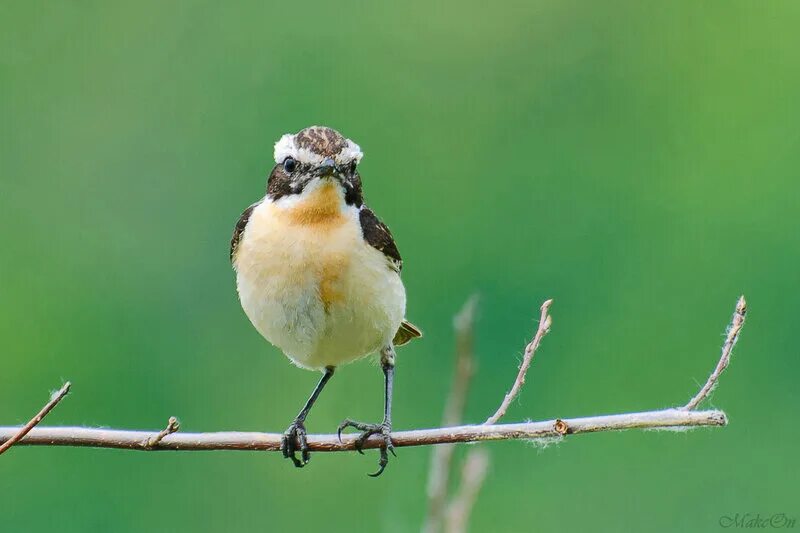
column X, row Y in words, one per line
column 318, row 273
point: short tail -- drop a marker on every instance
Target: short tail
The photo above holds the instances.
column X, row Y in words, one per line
column 406, row 332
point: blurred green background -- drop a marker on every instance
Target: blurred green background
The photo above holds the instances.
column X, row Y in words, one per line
column 635, row 161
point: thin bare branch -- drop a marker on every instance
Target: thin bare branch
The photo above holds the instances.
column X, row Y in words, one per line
column 441, row 461
column 24, row 430
column 472, row 476
column 234, row 440
column 545, row 321
column 683, row 418
column 727, row 348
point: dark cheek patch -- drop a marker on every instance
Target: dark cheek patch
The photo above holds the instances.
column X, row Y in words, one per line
column 352, row 190
column 279, row 183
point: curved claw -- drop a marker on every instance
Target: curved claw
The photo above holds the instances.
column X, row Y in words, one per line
column 345, row 423
column 381, row 467
column 296, row 431
column 384, row 460
column 367, row 430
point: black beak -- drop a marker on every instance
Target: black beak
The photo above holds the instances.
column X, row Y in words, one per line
column 326, row 168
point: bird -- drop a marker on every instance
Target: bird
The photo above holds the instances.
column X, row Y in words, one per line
column 318, row 274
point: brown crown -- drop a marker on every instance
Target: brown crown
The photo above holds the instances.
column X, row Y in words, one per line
column 321, row 140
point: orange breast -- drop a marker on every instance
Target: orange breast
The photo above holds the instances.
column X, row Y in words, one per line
column 322, row 209
column 321, row 212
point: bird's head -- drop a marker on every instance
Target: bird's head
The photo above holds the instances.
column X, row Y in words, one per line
column 315, row 155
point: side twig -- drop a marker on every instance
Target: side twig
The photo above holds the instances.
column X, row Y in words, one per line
column 737, row 322
column 24, row 430
column 545, row 321
column 173, row 425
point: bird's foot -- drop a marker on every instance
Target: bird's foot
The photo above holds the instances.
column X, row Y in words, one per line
column 294, row 439
column 367, row 430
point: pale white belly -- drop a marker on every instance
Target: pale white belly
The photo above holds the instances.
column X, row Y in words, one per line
column 319, row 293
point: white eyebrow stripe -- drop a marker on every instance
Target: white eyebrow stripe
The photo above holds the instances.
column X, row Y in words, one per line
column 286, row 147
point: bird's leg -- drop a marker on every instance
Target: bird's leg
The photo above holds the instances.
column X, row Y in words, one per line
column 384, row 428
column 295, row 436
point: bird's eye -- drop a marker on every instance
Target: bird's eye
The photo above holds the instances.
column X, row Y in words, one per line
column 353, row 165
column 289, row 164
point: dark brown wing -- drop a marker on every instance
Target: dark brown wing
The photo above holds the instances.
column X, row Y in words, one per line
column 239, row 229
column 377, row 235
